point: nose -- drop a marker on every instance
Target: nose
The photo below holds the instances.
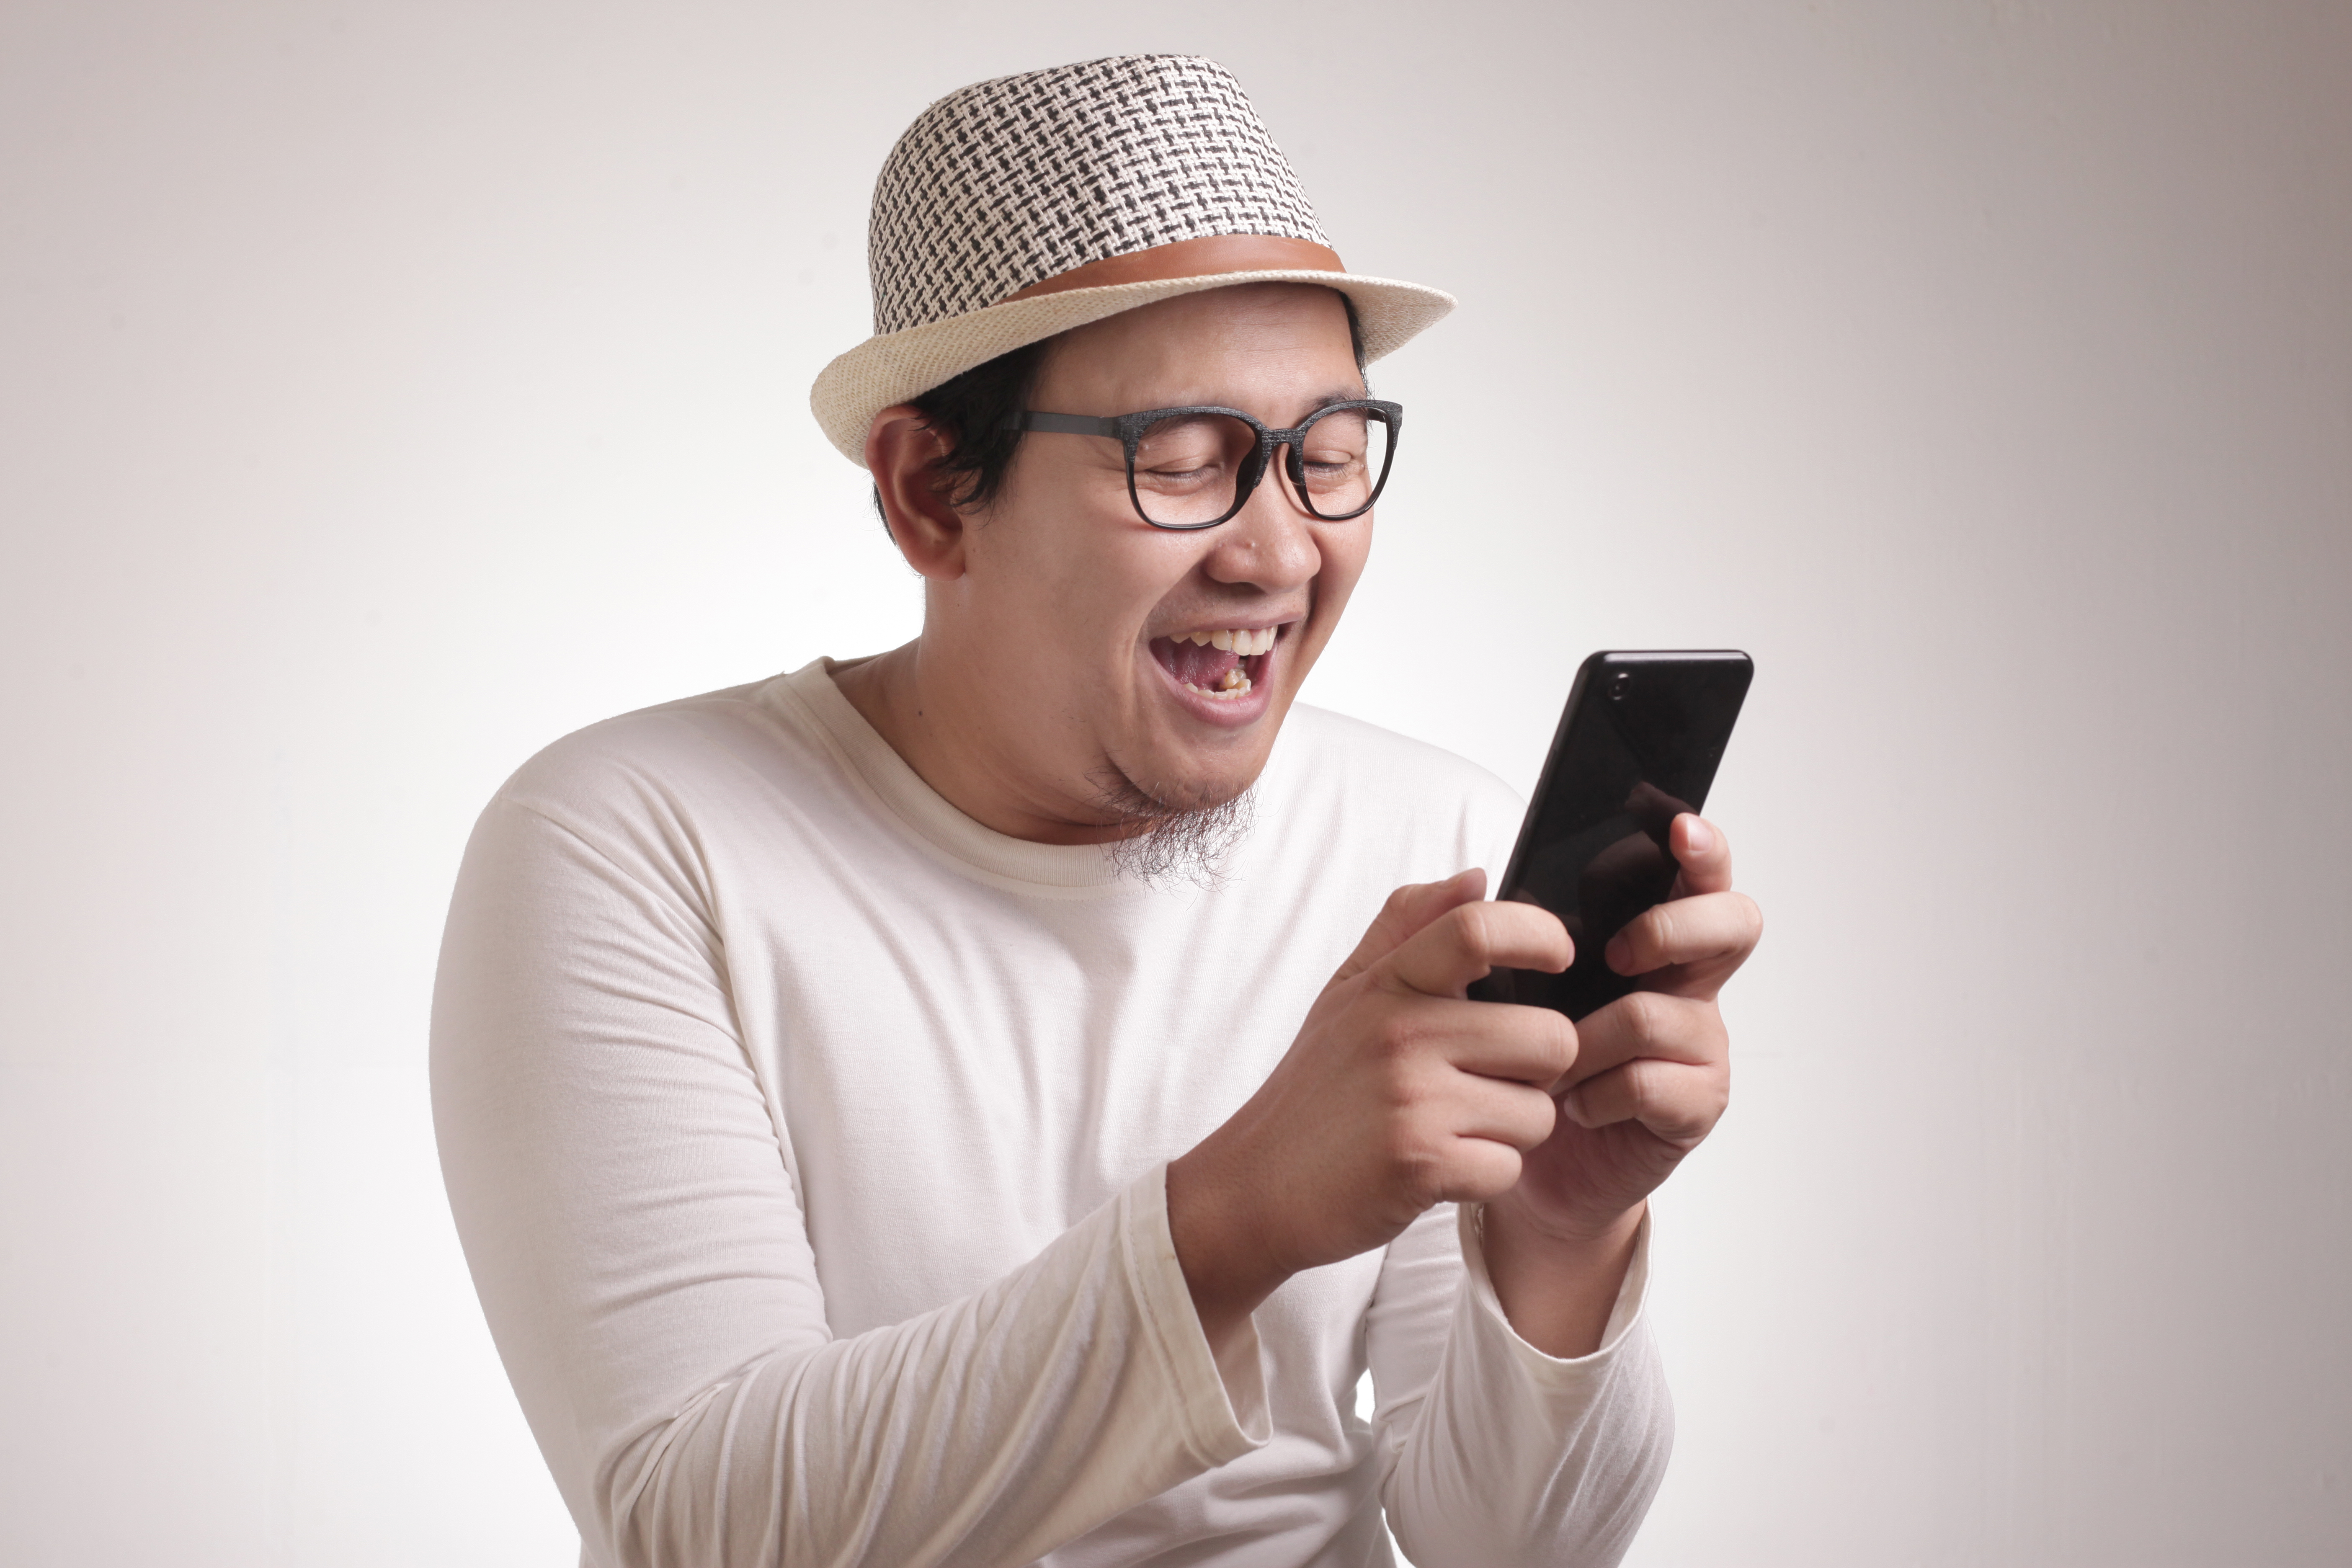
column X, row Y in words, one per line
column 1270, row 544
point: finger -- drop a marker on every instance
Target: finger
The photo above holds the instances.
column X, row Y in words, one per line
column 1694, row 931
column 1501, row 1112
column 1470, row 939
column 1679, row 1104
column 1408, row 909
column 1476, row 1169
column 1534, row 1045
column 1704, row 853
column 1652, row 1024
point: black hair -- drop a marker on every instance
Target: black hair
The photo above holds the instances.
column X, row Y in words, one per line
column 968, row 413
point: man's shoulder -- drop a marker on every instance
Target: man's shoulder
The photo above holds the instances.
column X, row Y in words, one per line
column 663, row 753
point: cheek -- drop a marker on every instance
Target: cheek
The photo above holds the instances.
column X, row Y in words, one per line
column 1075, row 590
column 1346, row 548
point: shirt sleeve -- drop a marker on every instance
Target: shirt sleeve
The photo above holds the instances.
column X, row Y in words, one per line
column 629, row 1215
column 1494, row 1453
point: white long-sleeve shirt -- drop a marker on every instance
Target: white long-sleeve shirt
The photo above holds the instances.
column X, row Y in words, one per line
column 807, row 1141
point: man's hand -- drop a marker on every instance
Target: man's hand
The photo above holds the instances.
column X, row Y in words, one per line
column 1653, row 1074
column 1397, row 1094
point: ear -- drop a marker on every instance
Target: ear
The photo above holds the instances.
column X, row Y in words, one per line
column 903, row 457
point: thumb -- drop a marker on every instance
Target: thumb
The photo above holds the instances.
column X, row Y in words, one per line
column 1409, row 909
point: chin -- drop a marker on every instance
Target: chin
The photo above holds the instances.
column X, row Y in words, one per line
column 1181, row 779
column 1208, row 784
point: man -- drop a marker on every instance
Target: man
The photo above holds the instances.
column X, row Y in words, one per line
column 904, row 1111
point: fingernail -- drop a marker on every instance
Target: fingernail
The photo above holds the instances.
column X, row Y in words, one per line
column 1700, row 836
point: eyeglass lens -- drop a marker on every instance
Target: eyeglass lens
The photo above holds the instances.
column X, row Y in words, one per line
column 1187, row 467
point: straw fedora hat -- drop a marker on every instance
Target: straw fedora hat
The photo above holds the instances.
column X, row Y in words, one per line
column 1021, row 207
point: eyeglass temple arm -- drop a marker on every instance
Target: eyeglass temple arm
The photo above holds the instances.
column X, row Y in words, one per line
column 1060, row 424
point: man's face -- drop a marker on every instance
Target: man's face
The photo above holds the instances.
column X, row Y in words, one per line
column 1080, row 621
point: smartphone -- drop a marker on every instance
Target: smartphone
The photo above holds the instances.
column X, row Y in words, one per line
column 1637, row 746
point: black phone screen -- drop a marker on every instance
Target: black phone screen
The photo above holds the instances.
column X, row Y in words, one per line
column 1637, row 746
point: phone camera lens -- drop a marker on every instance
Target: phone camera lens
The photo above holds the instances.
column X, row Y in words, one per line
column 1619, row 687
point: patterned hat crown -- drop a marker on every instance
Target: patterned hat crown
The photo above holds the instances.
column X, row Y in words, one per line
column 1025, row 207
column 1008, row 183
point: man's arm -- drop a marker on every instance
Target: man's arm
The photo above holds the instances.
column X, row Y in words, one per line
column 1396, row 1095
column 635, row 1232
column 1652, row 1076
column 1492, row 1452
column 1399, row 1094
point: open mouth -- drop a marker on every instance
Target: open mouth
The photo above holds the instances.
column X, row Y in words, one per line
column 1220, row 664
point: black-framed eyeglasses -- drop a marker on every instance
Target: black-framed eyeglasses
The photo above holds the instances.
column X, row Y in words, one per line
column 1196, row 468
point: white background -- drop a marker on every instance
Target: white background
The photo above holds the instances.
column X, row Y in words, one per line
column 386, row 389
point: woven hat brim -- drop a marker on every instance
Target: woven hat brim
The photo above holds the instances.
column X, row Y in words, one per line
column 893, row 368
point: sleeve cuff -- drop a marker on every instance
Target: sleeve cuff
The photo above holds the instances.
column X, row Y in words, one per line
column 1220, row 1402
column 1486, row 1307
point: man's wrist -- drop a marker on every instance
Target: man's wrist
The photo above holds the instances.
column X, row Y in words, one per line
column 1558, row 1283
column 1219, row 1245
column 1572, row 1231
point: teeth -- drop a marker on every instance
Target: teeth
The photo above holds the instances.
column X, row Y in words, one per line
column 1240, row 640
column 1236, row 684
column 1233, row 678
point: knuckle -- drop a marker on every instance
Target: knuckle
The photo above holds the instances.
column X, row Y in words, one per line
column 1475, row 927
column 1680, row 1107
column 1641, row 1085
column 1406, row 1125
column 1397, row 1092
column 1407, row 1151
column 1561, row 1042
column 1429, row 1166
column 1647, row 1017
column 1655, row 1104
column 1640, row 936
column 1542, row 1117
column 1398, row 1035
column 1418, row 1171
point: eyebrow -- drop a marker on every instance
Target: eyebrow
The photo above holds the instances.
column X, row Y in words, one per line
column 1333, row 399
column 1322, row 400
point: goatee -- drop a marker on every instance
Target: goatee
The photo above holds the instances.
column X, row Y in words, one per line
column 1174, row 844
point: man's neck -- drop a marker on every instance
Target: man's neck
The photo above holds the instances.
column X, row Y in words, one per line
column 911, row 702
